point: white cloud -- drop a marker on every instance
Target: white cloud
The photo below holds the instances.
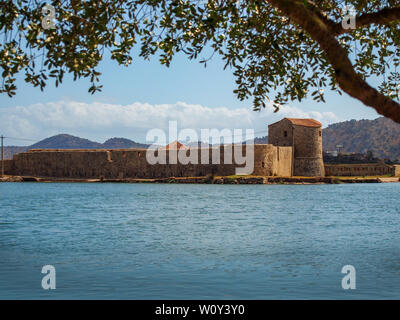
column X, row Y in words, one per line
column 100, row 121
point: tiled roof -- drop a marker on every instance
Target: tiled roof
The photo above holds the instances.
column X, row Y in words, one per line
column 305, row 122
column 176, row 145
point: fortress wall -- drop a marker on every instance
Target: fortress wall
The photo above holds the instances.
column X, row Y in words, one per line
column 307, row 142
column 8, row 167
column 126, row 163
column 66, row 163
column 280, row 133
column 284, row 162
column 264, row 160
column 308, row 159
column 309, row 167
column 132, row 163
column 365, row 169
column 396, row 170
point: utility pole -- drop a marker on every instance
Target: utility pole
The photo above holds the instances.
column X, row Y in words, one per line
column 2, row 156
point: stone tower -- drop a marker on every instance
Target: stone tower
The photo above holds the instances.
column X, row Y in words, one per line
column 305, row 137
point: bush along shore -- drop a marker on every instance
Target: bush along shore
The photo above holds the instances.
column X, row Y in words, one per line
column 214, row 180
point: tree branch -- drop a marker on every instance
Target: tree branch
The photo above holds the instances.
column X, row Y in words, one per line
column 349, row 80
column 382, row 17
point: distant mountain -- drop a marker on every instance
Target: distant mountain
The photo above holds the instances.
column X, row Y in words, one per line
column 122, row 143
column 66, row 141
column 381, row 136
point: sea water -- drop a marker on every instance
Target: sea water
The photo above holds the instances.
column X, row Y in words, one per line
column 176, row 241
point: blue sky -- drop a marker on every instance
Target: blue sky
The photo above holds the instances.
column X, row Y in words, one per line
column 146, row 95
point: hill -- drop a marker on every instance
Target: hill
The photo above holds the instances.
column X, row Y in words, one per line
column 66, row 141
column 381, row 136
column 122, row 143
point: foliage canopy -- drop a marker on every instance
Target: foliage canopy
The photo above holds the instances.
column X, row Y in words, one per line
column 279, row 50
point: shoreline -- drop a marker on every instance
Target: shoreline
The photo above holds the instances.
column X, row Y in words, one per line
column 212, row 180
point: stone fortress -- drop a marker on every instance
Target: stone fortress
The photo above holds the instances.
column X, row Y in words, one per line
column 294, row 149
column 304, row 136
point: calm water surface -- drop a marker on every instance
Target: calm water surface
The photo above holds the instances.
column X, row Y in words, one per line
column 155, row 241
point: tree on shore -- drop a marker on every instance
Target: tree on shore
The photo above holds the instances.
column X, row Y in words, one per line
column 278, row 50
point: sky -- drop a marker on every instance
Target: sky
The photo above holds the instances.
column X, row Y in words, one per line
column 146, row 95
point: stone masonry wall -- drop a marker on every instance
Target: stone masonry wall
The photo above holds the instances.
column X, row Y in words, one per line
column 366, row 169
column 281, row 133
column 132, row 163
column 8, row 166
column 284, row 162
column 308, row 142
column 308, row 159
column 307, row 146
